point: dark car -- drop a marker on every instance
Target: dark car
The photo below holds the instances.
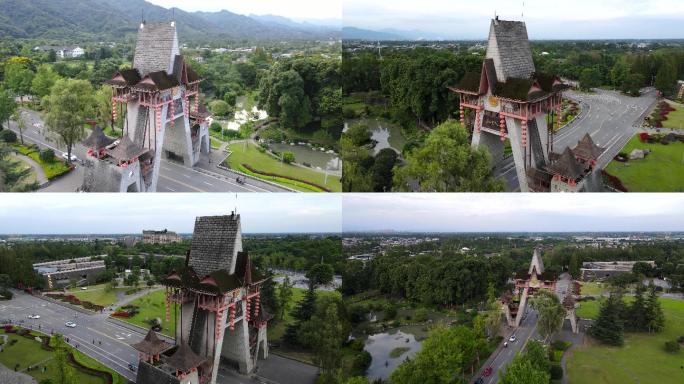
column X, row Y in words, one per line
column 132, row 367
column 479, row 381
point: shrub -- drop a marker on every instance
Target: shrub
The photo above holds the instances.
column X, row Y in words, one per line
column 560, row 345
column 215, row 126
column 390, row 311
column 421, row 315
column 288, row 157
column 643, row 137
column 8, row 136
column 6, row 294
column 47, row 156
column 556, row 372
column 672, row 346
column 680, row 339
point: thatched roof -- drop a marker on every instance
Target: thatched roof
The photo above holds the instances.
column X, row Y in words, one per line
column 97, row 139
column 151, row 344
column 567, row 166
column 184, row 359
column 587, row 149
column 126, row 150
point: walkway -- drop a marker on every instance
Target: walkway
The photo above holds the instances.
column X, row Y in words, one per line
column 8, row 376
column 40, row 174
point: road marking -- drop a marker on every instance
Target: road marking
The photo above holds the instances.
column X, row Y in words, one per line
column 208, row 183
column 181, row 183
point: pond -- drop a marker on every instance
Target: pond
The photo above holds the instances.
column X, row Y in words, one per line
column 242, row 115
column 306, row 154
column 386, row 134
column 380, row 347
column 299, row 280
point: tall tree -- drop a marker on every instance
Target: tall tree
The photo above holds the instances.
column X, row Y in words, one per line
column 445, row 357
column 522, row 371
column 7, row 106
column 551, row 313
column 608, row 327
column 448, row 163
column 284, row 297
column 655, row 318
column 18, row 78
column 302, row 313
column 21, row 124
column 69, row 105
column 637, row 316
column 666, row 78
column 44, row 80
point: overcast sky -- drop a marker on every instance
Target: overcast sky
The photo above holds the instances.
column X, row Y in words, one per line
column 576, row 19
column 293, row 9
column 131, row 213
column 509, row 212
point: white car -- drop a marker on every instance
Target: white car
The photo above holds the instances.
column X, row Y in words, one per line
column 84, row 288
column 70, row 324
column 65, row 156
column 512, row 338
column 34, row 316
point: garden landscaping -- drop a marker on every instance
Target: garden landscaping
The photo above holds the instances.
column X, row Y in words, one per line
column 148, row 310
column 661, row 170
column 667, row 114
column 643, row 358
column 98, row 294
column 256, row 162
column 23, row 350
column 53, row 167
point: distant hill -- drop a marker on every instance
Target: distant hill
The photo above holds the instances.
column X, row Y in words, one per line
column 353, row 33
column 113, row 19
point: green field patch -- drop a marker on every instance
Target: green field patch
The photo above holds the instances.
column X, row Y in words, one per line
column 52, row 169
column 642, row 359
column 152, row 306
column 97, row 294
column 661, row 171
column 265, row 163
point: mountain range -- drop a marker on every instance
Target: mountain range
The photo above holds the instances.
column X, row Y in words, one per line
column 353, row 33
column 92, row 20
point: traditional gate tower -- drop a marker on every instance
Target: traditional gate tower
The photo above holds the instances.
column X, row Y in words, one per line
column 161, row 119
column 216, row 296
column 525, row 288
column 512, row 101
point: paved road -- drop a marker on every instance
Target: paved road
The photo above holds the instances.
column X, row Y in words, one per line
column 503, row 356
column 112, row 342
column 609, row 117
column 173, row 177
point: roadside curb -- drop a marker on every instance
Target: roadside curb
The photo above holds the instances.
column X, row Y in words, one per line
column 70, row 306
column 136, row 328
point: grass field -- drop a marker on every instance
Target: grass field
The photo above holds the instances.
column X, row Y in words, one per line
column 593, row 288
column 97, row 294
column 51, row 169
column 265, row 163
column 675, row 119
column 641, row 360
column 661, row 171
column 27, row 352
column 152, row 307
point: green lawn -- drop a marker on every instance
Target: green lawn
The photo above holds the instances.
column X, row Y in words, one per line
column 592, row 288
column 152, row 307
column 675, row 119
column 97, row 294
column 27, row 352
column 661, row 171
column 641, row 360
column 266, row 163
column 52, row 169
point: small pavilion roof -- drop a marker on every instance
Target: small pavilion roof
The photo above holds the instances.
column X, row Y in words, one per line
column 566, row 165
column 151, row 344
column 125, row 78
column 184, row 359
column 587, row 149
column 97, row 139
column 126, row 150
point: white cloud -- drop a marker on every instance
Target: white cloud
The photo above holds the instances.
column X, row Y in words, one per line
column 130, row 213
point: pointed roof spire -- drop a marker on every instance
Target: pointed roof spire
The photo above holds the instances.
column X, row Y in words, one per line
column 184, row 359
column 97, row 139
column 536, row 265
column 151, row 344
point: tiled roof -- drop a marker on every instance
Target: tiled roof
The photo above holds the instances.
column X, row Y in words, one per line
column 155, row 47
column 214, row 240
column 470, row 82
column 97, row 139
column 512, row 54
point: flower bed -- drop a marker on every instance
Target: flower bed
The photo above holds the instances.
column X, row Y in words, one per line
column 660, row 114
column 75, row 301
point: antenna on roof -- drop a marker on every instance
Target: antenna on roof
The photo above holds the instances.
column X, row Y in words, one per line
column 522, row 15
column 173, row 17
column 142, row 18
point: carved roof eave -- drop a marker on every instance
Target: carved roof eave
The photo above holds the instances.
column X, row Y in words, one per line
column 457, row 90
